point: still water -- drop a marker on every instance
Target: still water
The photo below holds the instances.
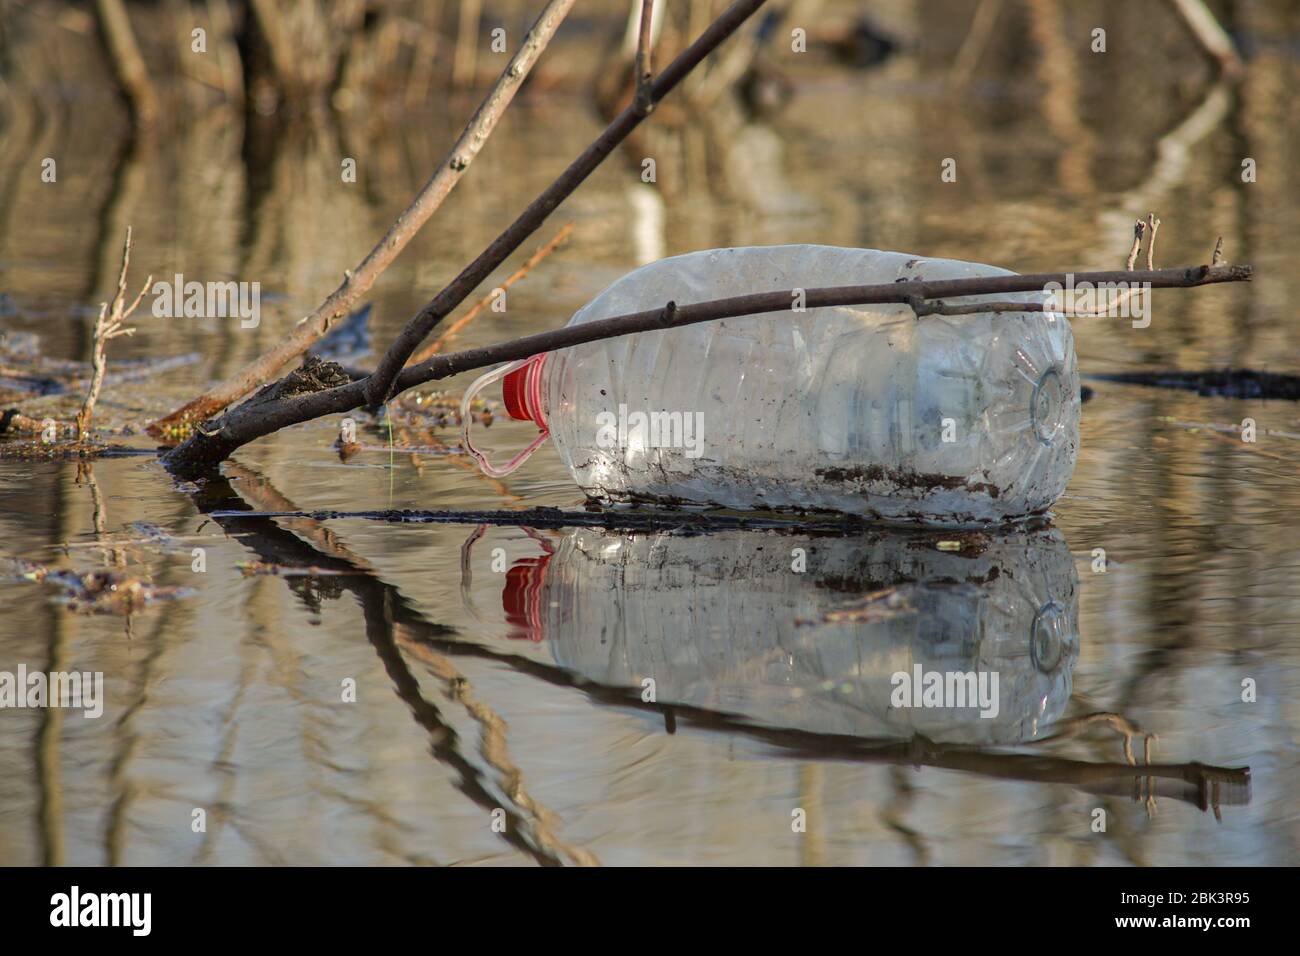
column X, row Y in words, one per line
column 500, row 673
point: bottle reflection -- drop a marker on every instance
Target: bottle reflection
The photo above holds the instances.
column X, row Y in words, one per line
column 967, row 638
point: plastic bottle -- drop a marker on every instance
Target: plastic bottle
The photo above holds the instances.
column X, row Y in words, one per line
column 961, row 420
column 723, row 621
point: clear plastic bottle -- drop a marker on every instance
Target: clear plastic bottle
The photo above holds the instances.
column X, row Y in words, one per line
column 966, row 419
column 723, row 621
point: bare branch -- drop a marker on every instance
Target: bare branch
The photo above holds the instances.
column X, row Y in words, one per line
column 108, row 325
column 357, row 281
column 644, row 100
column 379, row 386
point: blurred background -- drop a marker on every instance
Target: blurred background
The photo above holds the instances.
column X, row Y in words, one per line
column 521, row 690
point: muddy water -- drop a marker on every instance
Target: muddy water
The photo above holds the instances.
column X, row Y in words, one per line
column 506, row 669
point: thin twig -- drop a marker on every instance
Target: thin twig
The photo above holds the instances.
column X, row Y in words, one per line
column 644, row 99
column 108, row 326
column 1139, row 227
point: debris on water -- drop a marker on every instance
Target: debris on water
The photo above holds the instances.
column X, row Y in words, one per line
column 1214, row 383
column 438, row 409
column 313, row 375
column 968, row 544
column 26, row 373
column 98, row 591
column 37, row 450
column 347, row 449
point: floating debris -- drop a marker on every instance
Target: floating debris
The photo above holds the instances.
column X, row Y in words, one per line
column 98, row 591
column 1215, row 383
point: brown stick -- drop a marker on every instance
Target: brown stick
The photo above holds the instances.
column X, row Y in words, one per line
column 903, row 293
column 1139, row 227
column 438, row 344
column 259, row 417
column 108, row 326
column 1153, row 226
column 357, row 282
column 644, row 100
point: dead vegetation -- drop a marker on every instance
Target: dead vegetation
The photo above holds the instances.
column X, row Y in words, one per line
column 98, row 590
column 47, row 431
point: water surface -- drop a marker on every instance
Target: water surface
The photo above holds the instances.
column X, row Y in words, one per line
column 522, row 689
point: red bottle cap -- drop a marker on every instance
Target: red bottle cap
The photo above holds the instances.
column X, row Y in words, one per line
column 521, row 599
column 522, row 390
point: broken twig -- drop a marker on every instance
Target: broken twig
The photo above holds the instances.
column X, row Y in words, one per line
column 108, row 326
column 644, row 99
